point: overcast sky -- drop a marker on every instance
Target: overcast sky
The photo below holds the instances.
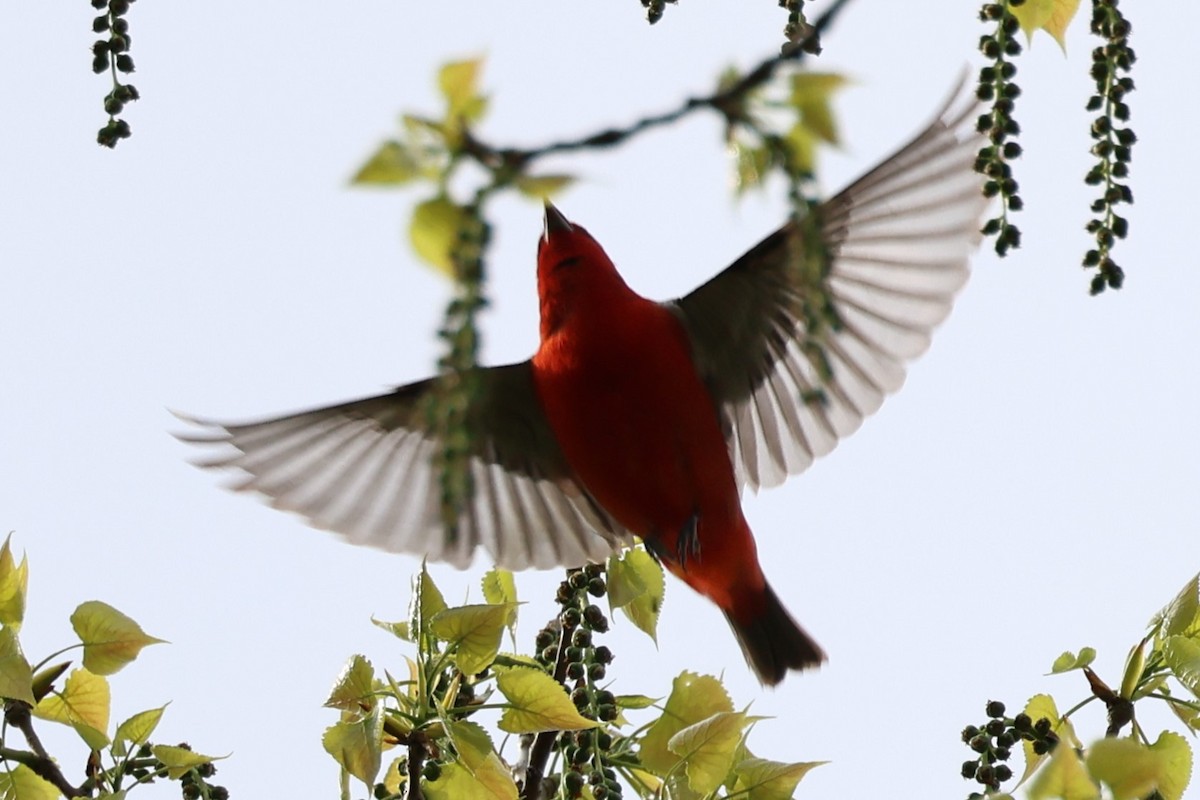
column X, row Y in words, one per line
column 1032, row 489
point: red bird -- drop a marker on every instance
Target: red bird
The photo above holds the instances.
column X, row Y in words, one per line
column 639, row 418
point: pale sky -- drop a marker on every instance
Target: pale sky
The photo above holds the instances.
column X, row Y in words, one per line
column 1031, row 489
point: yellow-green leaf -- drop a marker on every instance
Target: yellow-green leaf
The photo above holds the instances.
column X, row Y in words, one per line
column 22, row 783
column 354, row 690
column 95, row 739
column 750, row 165
column 16, row 676
column 85, row 698
column 394, row 778
column 636, row 586
column 536, row 703
column 433, row 232
column 499, row 587
column 392, row 164
column 761, row 779
column 802, row 149
column 357, row 744
column 138, row 728
column 1069, row 661
column 478, row 756
column 1051, row 16
column 1135, row 664
column 178, row 760
column 707, row 749
column 693, row 698
column 1128, row 767
column 1181, row 617
column 811, row 95
column 110, row 639
column 1182, row 655
column 427, row 601
column 14, row 583
column 1039, row 706
column 474, row 632
column 454, row 783
column 635, row 701
column 1175, row 764
column 459, row 83
column 542, row 187
column 1064, row 777
column 397, row 629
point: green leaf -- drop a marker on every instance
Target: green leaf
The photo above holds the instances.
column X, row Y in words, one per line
column 1069, row 661
column 811, row 96
column 427, row 601
column 761, row 779
column 433, row 232
column 393, row 164
column 138, row 728
column 478, row 756
column 536, row 703
column 455, row 783
column 636, row 586
column 179, row 761
column 354, row 690
column 110, row 639
column 459, row 84
column 707, row 748
column 357, row 744
column 1175, row 764
column 1063, row 777
column 22, row 783
column 634, row 702
column 693, row 698
column 394, row 778
column 85, row 699
column 542, row 187
column 1124, row 765
column 499, row 588
column 1182, row 655
column 751, row 165
column 1039, row 706
column 1051, row 16
column 16, row 676
column 14, row 583
column 474, row 632
column 397, row 629
column 1181, row 617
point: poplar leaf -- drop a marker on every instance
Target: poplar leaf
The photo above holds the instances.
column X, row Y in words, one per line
column 14, row 583
column 708, row 747
column 475, row 632
column 478, row 756
column 1128, row 767
column 693, row 698
column 1181, row 616
column 16, row 676
column 811, row 96
column 398, row 629
column 634, row 702
column 394, row 778
column 22, row 783
column 1051, row 16
column 1069, row 661
column 499, row 587
column 636, row 586
column 1064, row 777
column 459, row 84
column 542, row 187
column 138, row 728
column 537, row 703
column 433, row 232
column 110, row 639
column 357, row 744
column 85, row 698
column 1182, row 655
column 354, row 689
column 392, row 164
column 761, row 779
column 179, row 760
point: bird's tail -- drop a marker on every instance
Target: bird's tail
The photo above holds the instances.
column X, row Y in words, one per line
column 771, row 640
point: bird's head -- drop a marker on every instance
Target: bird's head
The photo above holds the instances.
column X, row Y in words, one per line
column 574, row 272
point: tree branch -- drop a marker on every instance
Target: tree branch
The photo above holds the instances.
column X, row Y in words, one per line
column 16, row 713
column 543, row 745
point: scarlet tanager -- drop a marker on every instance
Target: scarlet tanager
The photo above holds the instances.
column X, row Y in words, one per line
column 648, row 419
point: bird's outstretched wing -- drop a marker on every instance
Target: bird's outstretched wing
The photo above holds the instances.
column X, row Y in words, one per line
column 898, row 240
column 364, row 469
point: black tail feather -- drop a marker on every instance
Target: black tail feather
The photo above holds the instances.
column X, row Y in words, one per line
column 772, row 641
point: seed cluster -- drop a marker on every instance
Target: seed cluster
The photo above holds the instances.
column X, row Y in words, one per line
column 112, row 55
column 1113, row 141
column 586, row 754
column 996, row 85
column 994, row 742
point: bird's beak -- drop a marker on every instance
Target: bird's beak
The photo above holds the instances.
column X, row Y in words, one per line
column 555, row 221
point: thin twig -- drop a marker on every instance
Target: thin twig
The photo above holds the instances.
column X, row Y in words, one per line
column 727, row 102
column 16, row 713
column 543, row 745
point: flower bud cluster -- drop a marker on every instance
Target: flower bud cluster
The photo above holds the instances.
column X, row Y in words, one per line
column 111, row 55
column 997, row 87
column 994, row 742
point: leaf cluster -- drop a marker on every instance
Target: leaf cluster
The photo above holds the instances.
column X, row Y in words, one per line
column 122, row 757
column 574, row 736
